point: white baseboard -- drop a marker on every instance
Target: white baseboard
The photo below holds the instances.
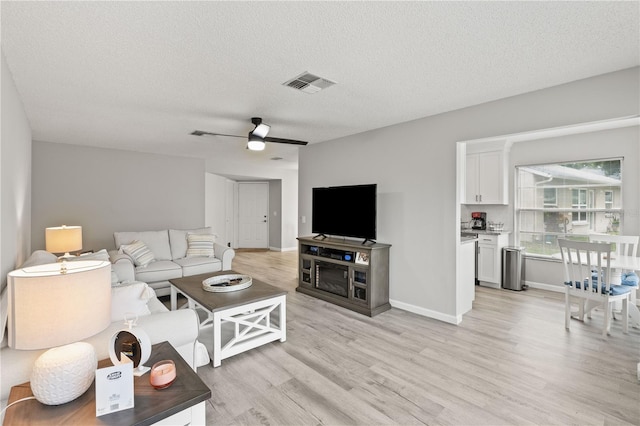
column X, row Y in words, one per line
column 283, row 249
column 426, row 312
column 542, row 286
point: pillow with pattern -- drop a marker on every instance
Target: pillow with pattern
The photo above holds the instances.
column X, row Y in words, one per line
column 139, row 252
column 200, row 245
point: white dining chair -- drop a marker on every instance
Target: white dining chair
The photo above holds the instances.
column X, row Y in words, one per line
column 580, row 258
column 626, row 245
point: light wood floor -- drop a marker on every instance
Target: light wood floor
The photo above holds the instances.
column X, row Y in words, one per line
column 510, row 362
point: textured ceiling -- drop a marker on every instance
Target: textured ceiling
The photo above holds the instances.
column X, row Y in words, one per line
column 143, row 75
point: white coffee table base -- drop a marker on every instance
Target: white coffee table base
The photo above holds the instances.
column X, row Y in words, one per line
column 252, row 324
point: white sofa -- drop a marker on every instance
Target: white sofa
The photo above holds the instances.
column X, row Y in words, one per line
column 169, row 248
column 180, row 328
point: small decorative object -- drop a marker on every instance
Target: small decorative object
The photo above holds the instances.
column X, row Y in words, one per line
column 133, row 343
column 114, row 388
column 163, row 373
column 64, row 373
column 362, row 258
column 226, row 283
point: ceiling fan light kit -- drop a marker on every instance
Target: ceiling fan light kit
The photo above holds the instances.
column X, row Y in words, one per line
column 255, row 143
column 257, row 137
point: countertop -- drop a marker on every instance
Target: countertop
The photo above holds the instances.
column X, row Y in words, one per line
column 465, row 240
column 483, row 232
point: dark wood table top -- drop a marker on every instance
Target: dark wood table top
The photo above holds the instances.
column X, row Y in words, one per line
column 151, row 405
column 192, row 287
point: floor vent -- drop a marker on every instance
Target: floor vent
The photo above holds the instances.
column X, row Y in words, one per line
column 308, row 83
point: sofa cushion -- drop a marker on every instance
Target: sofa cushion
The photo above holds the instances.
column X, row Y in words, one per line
column 199, row 265
column 160, row 270
column 97, row 255
column 178, row 240
column 39, row 257
column 130, row 299
column 156, row 241
column 139, row 252
column 200, row 245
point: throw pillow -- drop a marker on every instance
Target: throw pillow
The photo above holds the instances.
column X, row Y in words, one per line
column 96, row 255
column 200, row 245
column 130, row 299
column 139, row 252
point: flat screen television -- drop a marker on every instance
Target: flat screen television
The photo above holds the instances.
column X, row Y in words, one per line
column 346, row 211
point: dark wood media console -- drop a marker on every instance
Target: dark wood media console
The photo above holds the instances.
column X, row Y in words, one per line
column 346, row 273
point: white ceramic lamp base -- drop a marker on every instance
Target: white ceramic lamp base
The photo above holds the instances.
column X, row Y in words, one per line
column 64, row 373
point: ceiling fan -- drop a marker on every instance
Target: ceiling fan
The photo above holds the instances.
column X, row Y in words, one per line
column 257, row 137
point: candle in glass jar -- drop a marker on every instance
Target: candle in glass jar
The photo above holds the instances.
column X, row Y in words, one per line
column 163, row 373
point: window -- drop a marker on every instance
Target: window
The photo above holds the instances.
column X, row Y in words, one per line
column 550, row 197
column 579, row 202
column 608, row 199
column 566, row 200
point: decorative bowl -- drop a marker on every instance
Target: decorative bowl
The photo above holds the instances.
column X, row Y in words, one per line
column 226, row 283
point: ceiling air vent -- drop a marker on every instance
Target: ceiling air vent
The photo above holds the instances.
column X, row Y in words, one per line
column 308, row 83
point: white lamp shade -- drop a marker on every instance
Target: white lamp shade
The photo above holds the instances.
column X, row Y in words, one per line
column 63, row 239
column 255, row 143
column 48, row 308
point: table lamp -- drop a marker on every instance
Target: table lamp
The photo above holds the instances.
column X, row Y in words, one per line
column 51, row 306
column 63, row 239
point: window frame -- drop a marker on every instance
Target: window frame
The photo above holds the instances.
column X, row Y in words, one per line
column 591, row 216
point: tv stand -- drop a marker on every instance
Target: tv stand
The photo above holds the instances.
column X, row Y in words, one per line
column 350, row 274
column 320, row 237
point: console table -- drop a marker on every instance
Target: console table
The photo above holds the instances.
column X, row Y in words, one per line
column 347, row 273
column 181, row 403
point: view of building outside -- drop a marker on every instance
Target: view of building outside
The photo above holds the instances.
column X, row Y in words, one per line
column 571, row 200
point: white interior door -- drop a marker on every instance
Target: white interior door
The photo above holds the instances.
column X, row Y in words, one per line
column 253, row 215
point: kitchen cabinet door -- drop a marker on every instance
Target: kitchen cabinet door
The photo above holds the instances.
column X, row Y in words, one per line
column 488, row 264
column 486, row 178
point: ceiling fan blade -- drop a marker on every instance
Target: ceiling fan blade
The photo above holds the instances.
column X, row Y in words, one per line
column 203, row 133
column 289, row 141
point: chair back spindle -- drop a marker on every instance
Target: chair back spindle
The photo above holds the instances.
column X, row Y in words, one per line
column 587, row 265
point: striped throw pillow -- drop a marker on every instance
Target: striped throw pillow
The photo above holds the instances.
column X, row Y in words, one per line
column 139, row 252
column 200, row 245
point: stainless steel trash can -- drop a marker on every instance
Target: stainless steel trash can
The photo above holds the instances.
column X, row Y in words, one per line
column 513, row 268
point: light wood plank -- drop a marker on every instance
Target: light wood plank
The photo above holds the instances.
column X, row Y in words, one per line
column 510, row 362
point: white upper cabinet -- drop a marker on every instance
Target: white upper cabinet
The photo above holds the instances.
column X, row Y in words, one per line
column 486, row 178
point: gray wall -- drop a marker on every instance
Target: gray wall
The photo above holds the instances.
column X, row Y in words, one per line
column 107, row 190
column 275, row 214
column 414, row 165
column 15, row 178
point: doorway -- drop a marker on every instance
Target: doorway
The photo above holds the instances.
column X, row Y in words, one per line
column 253, row 215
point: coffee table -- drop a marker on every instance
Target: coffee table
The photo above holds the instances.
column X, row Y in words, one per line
column 254, row 316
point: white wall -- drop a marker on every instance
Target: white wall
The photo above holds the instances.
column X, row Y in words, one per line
column 15, row 178
column 216, row 205
column 414, row 165
column 289, row 206
column 107, row 190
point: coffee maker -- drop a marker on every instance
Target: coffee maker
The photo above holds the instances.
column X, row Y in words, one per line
column 479, row 221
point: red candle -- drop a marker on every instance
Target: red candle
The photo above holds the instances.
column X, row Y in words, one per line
column 163, row 373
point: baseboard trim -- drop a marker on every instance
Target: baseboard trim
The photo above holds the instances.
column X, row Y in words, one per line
column 548, row 287
column 426, row 312
column 283, row 249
